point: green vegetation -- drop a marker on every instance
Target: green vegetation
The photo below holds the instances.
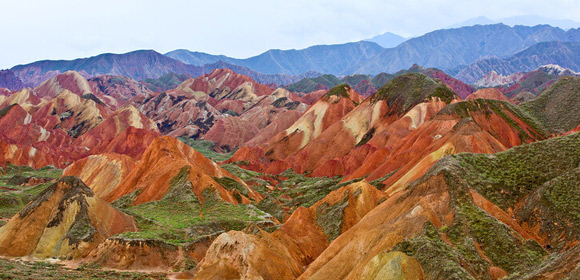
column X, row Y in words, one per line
column 503, row 109
column 381, row 79
column 339, row 90
column 307, row 85
column 166, row 82
column 5, row 111
column 329, row 217
column 207, row 149
column 438, row 259
column 554, row 207
column 378, row 183
column 509, row 176
column 497, row 240
column 355, row 79
column 539, row 182
column 15, row 194
column 408, row 90
column 179, row 218
column 20, row 269
column 557, row 106
column 563, row 195
column 536, row 82
column 459, row 258
column 292, row 190
column 305, row 191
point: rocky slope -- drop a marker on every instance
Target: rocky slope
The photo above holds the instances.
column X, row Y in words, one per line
column 331, row 108
column 493, row 79
column 118, row 88
column 65, row 221
column 455, row 212
column 285, row 253
column 489, row 93
column 315, row 139
column 63, row 120
column 225, row 107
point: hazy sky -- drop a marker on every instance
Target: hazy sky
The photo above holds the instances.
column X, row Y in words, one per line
column 67, row 29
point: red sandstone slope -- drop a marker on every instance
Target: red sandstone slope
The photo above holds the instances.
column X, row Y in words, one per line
column 285, row 253
column 126, row 131
column 225, row 83
column 478, row 126
column 577, row 129
column 370, row 120
column 401, row 132
column 46, row 128
column 224, row 107
column 118, row 90
column 65, row 221
column 264, row 119
column 102, row 172
column 489, row 93
column 179, row 114
column 70, row 80
column 164, row 159
column 23, row 142
column 321, row 115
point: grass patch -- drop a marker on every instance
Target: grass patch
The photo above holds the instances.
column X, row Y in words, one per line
column 207, row 149
column 408, row 90
column 557, row 106
column 339, row 90
column 14, row 195
column 179, row 218
column 18, row 269
column 506, row 177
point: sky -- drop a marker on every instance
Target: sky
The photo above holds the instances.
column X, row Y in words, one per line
column 33, row 30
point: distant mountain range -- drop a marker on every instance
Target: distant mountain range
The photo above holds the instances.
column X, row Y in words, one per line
column 138, row 65
column 444, row 49
column 527, row 20
column 329, row 59
column 387, row 40
column 565, row 54
column 467, row 53
column 449, row 48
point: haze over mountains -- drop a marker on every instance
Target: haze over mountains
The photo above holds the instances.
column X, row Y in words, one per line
column 467, row 53
column 443, row 49
column 528, row 20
